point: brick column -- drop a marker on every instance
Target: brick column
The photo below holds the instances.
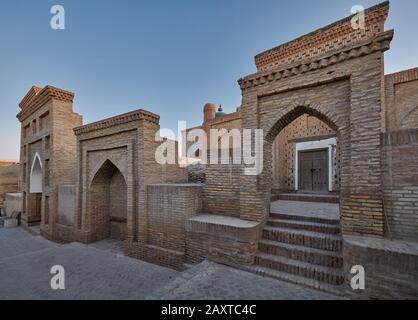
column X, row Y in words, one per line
column 362, row 210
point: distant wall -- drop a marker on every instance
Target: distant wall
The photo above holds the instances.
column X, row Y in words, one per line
column 66, row 205
column 222, row 189
column 400, row 154
column 9, row 179
column 13, row 202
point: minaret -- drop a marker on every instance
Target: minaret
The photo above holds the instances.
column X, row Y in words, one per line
column 209, row 112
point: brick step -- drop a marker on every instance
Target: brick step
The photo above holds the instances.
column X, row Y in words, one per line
column 304, row 238
column 315, row 256
column 284, row 276
column 299, row 268
column 305, row 225
column 306, row 218
column 308, row 197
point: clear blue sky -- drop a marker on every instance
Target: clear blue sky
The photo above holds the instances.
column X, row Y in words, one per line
column 170, row 57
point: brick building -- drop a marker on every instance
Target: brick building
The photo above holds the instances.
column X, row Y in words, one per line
column 48, row 153
column 332, row 123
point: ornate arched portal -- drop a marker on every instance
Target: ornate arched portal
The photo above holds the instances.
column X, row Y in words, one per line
column 107, row 203
column 290, row 114
column 343, row 88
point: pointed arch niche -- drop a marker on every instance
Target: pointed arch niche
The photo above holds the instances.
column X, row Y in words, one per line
column 108, row 203
column 36, row 175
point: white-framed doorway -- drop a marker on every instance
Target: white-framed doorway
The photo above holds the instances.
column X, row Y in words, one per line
column 329, row 144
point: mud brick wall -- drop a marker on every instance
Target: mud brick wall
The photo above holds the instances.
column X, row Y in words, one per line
column 201, row 247
column 222, row 189
column 221, row 239
column 169, row 206
column 399, row 154
column 391, row 268
column 362, row 215
column 400, row 184
column 9, row 179
column 401, row 96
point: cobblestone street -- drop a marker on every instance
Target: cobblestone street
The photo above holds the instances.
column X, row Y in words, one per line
column 96, row 273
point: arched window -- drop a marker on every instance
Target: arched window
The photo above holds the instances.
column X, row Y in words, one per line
column 36, row 175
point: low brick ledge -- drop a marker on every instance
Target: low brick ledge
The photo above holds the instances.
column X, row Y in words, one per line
column 389, row 246
column 225, row 227
column 391, row 267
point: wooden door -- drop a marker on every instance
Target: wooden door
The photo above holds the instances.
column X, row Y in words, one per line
column 38, row 205
column 313, row 171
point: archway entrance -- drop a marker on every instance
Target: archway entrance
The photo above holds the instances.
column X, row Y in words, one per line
column 302, row 237
column 306, row 158
column 108, row 203
column 35, row 190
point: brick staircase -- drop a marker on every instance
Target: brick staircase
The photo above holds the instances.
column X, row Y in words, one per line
column 303, row 249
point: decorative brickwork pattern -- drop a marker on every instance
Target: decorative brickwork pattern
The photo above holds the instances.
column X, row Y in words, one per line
column 332, row 37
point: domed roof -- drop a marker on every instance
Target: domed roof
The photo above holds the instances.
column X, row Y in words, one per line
column 220, row 112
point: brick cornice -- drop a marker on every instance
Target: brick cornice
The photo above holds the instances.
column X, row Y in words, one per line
column 380, row 42
column 121, row 119
column 36, row 98
column 325, row 39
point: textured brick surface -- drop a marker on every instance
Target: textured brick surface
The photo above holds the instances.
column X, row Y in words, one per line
column 47, row 122
column 116, row 163
column 326, row 39
column 400, row 147
column 391, row 267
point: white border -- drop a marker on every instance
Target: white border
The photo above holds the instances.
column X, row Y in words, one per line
column 329, row 144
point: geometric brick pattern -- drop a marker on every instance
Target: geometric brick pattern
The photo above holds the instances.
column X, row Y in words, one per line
column 331, row 37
